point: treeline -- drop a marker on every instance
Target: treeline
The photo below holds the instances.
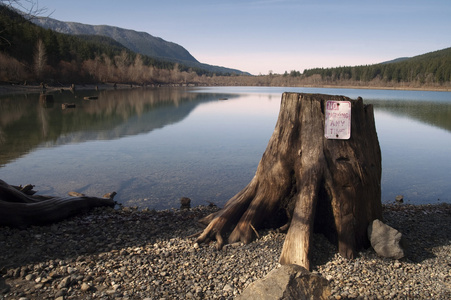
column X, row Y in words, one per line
column 430, row 68
column 31, row 53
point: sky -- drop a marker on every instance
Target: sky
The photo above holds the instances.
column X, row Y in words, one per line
column 263, row 36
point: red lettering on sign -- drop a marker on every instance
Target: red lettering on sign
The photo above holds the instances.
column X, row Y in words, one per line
column 332, row 105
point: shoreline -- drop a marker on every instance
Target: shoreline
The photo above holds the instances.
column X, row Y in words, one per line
column 426, row 89
column 11, row 89
column 147, row 254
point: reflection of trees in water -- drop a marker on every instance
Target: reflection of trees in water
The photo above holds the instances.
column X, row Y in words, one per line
column 25, row 123
column 137, row 101
column 437, row 114
column 43, row 118
column 13, row 108
column 19, row 125
column 2, row 136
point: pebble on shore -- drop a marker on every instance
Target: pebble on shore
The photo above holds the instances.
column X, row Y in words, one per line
column 146, row 254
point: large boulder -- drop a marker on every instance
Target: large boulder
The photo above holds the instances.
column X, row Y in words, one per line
column 385, row 240
column 288, row 282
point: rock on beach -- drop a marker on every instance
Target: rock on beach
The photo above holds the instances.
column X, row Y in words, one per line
column 146, row 254
column 385, row 240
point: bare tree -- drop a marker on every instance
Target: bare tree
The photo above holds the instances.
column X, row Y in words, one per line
column 11, row 70
column 40, row 59
column 137, row 71
column 30, row 8
column 122, row 63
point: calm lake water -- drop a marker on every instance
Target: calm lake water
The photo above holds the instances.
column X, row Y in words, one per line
column 153, row 146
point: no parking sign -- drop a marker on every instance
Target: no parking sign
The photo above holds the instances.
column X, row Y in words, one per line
column 338, row 120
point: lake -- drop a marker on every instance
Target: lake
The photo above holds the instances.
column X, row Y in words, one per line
column 155, row 145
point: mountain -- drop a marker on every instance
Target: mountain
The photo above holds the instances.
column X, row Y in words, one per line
column 139, row 42
column 396, row 60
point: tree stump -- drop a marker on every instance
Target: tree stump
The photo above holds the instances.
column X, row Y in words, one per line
column 330, row 185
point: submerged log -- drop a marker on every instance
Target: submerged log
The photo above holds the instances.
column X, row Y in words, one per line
column 91, row 98
column 18, row 209
column 68, row 105
column 330, row 185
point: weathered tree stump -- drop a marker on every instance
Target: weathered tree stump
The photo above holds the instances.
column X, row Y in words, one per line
column 20, row 208
column 330, row 185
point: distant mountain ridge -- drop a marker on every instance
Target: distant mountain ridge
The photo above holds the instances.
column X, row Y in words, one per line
column 139, row 42
column 396, row 60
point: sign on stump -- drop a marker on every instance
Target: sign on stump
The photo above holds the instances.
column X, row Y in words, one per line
column 338, row 120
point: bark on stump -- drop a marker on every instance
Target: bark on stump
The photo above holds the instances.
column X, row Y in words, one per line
column 330, row 185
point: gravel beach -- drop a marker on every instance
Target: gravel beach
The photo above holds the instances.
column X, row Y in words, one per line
column 145, row 254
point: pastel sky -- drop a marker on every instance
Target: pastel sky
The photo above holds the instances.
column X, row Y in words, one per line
column 259, row 36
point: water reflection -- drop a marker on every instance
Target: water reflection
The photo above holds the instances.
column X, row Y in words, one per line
column 437, row 114
column 154, row 146
column 26, row 123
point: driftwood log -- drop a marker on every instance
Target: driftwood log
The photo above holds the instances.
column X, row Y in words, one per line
column 19, row 207
column 331, row 186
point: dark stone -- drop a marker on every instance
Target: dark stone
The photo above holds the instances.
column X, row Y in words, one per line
column 185, row 203
column 4, row 288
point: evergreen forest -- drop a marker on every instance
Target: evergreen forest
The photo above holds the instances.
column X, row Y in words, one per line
column 431, row 68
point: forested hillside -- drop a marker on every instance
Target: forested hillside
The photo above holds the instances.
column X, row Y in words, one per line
column 429, row 68
column 34, row 54
column 139, row 42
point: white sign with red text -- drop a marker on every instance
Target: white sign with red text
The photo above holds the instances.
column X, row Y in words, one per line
column 338, row 120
